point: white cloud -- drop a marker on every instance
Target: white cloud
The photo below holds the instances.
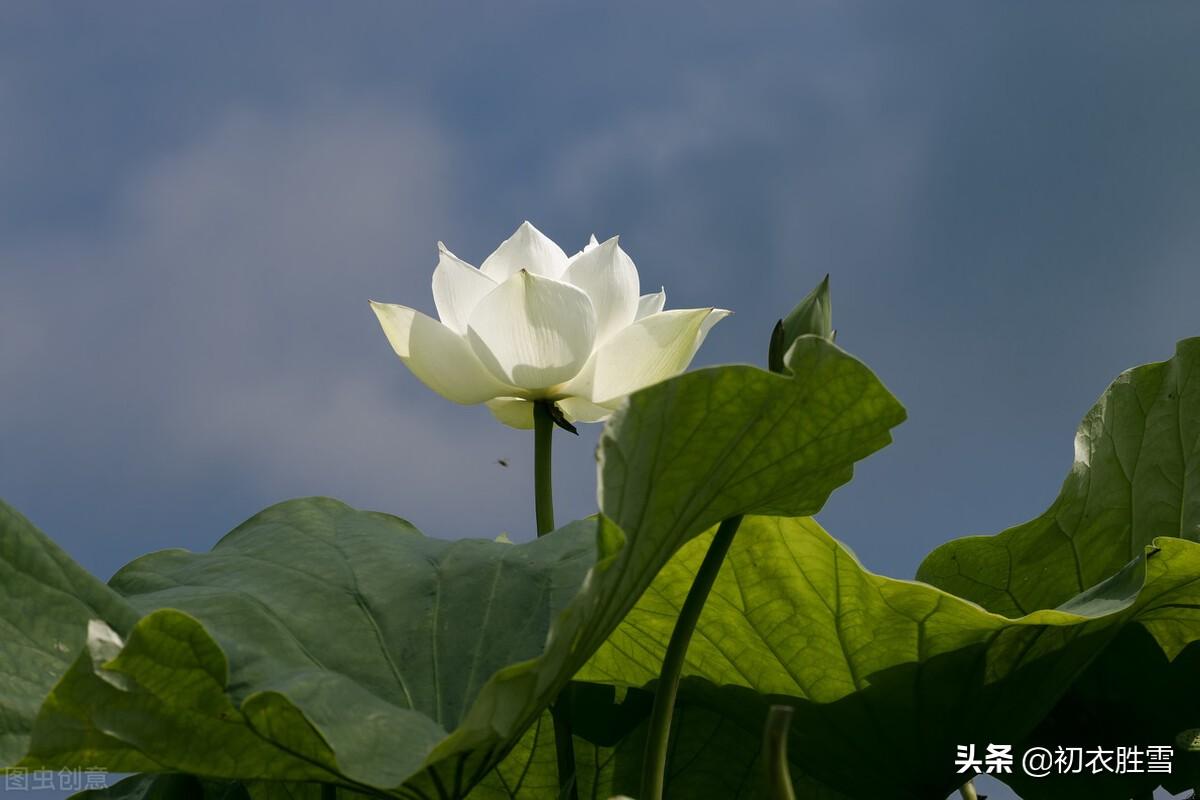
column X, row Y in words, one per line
column 817, row 153
column 223, row 322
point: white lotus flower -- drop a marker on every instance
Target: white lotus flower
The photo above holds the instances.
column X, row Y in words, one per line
column 533, row 324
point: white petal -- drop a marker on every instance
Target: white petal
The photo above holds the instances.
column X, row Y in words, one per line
column 533, row 332
column 457, row 289
column 651, row 303
column 512, row 411
column 438, row 356
column 577, row 409
column 528, row 249
column 592, row 243
column 715, row 315
column 648, row 351
column 610, row 279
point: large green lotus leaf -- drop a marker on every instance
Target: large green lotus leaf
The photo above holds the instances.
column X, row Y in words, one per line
column 886, row 676
column 1135, row 477
column 314, row 643
column 320, row 643
column 46, row 601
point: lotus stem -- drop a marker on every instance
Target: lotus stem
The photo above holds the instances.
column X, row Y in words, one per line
column 543, row 495
column 967, row 790
column 328, row 791
column 775, row 734
column 543, row 484
column 654, row 767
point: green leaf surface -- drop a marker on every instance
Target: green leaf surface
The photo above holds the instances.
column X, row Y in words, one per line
column 682, row 456
column 321, row 643
column 1135, row 477
column 886, row 676
column 314, row 643
column 46, row 600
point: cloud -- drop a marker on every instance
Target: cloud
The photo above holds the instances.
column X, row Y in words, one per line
column 220, row 326
column 258, row 248
column 780, row 159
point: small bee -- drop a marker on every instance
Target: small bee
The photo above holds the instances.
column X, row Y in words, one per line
column 502, row 462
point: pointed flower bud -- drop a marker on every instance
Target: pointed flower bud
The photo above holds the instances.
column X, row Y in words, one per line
column 812, row 316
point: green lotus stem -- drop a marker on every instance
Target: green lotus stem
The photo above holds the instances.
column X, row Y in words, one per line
column 543, row 485
column 328, row 791
column 654, row 767
column 967, row 790
column 775, row 734
column 543, row 495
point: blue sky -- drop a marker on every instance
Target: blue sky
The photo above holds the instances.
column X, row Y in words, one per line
column 197, row 200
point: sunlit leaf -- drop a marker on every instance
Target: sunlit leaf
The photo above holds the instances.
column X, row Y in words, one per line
column 886, row 676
